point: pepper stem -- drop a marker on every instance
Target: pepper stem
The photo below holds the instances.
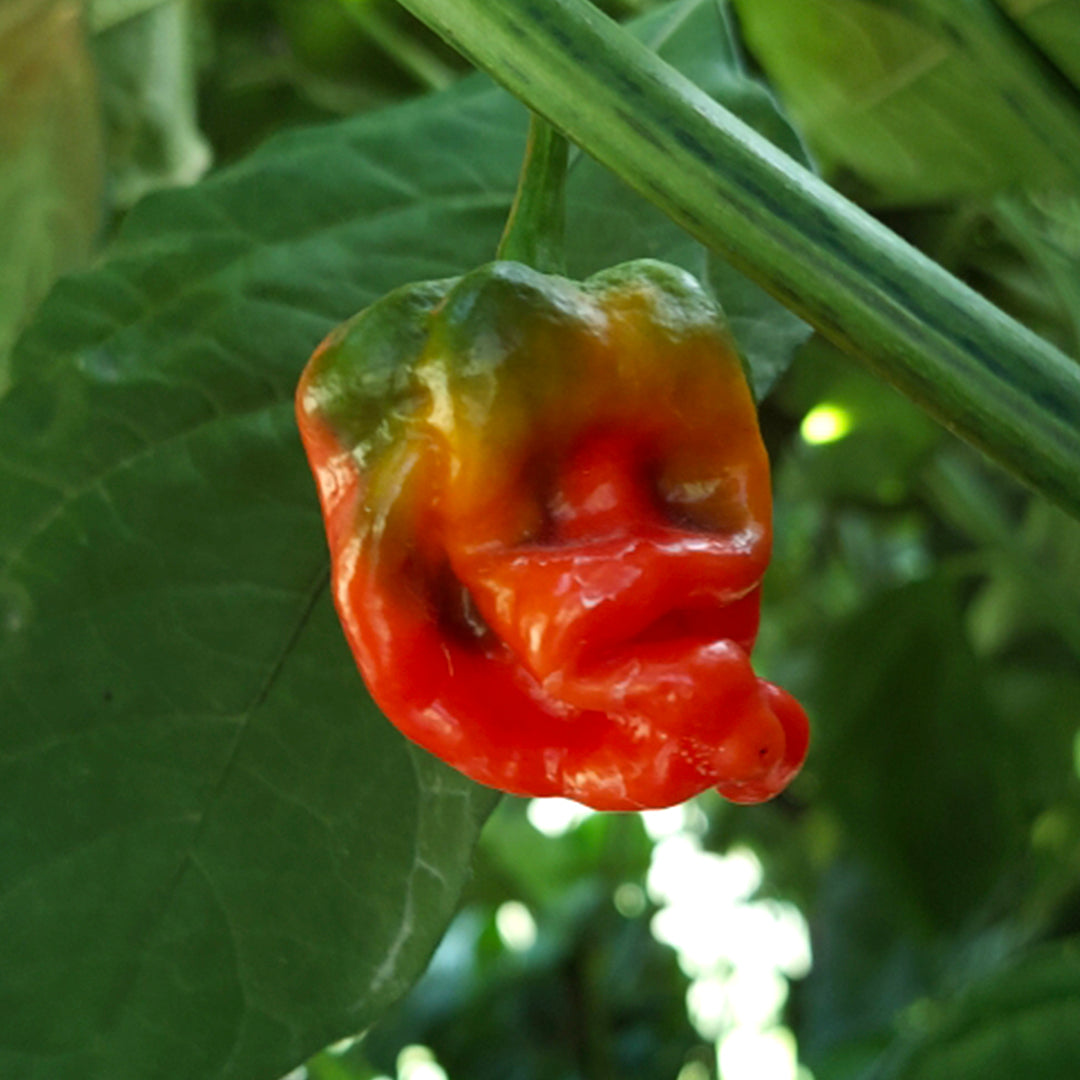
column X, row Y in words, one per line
column 535, row 229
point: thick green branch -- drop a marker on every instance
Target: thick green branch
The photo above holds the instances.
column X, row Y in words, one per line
column 980, row 373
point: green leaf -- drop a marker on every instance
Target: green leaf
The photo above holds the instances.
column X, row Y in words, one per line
column 912, row 756
column 882, row 92
column 768, row 333
column 216, row 856
column 50, row 155
column 1022, row 1020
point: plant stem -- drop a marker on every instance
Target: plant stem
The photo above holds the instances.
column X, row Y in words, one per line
column 980, row 373
column 535, row 229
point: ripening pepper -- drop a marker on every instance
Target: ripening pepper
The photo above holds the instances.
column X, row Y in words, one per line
column 549, row 514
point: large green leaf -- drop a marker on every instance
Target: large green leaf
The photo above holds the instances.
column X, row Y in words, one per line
column 215, row 855
column 50, row 155
column 881, row 93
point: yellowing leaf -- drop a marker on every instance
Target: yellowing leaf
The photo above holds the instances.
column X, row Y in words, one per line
column 50, row 154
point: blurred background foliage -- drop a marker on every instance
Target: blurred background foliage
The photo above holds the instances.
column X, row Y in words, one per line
column 911, row 907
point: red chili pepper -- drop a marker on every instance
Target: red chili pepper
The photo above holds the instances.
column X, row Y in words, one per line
column 548, row 511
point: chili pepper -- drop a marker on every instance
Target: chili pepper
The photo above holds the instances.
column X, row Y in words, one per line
column 549, row 514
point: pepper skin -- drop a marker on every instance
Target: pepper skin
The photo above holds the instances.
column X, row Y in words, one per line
column 549, row 514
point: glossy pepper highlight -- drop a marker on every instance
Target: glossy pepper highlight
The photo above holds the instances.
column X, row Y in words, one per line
column 549, row 514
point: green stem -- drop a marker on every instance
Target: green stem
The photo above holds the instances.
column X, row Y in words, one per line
column 535, row 229
column 979, row 372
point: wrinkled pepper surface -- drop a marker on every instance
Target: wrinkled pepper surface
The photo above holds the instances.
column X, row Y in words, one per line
column 549, row 513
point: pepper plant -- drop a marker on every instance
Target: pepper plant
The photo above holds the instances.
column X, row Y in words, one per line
column 217, row 856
